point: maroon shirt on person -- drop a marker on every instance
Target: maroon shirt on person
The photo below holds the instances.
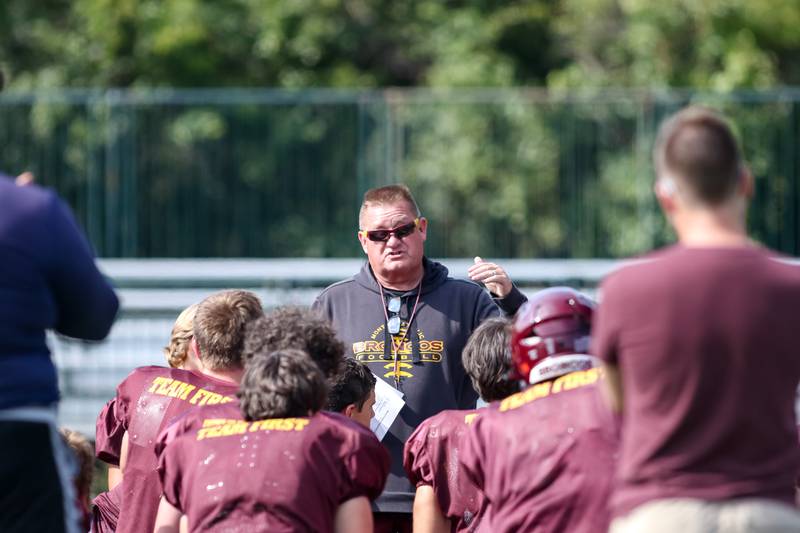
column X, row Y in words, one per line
column 108, row 434
column 274, row 475
column 544, row 458
column 105, row 511
column 706, row 343
column 147, row 401
column 430, row 457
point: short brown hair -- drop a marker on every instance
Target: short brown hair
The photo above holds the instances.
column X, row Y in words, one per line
column 281, row 384
column 84, row 452
column 390, row 194
column 183, row 329
column 698, row 148
column 300, row 329
column 487, row 360
column 352, row 386
column 219, row 325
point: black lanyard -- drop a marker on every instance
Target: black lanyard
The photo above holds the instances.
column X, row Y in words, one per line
column 391, row 350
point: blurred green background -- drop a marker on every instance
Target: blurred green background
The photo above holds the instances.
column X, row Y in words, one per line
column 203, row 128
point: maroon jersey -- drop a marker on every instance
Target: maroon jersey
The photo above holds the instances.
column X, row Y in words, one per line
column 105, row 511
column 146, row 402
column 545, row 458
column 706, row 343
column 431, row 457
column 108, row 434
column 274, row 475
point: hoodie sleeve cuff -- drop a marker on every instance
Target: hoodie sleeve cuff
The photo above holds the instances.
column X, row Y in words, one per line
column 512, row 302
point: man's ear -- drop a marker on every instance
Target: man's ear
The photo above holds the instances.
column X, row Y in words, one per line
column 746, row 185
column 363, row 240
column 666, row 193
column 349, row 410
column 423, row 227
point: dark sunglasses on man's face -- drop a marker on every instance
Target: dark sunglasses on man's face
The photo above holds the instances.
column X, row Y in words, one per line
column 382, row 235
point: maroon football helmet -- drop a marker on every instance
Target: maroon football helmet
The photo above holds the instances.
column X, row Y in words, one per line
column 550, row 334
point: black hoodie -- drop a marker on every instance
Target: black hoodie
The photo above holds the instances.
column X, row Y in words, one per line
column 429, row 370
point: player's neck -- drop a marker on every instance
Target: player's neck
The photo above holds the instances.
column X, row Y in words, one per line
column 709, row 228
column 233, row 376
column 403, row 282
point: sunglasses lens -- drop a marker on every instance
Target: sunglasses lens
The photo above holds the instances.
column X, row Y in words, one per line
column 394, row 305
column 394, row 325
column 378, row 235
column 404, row 231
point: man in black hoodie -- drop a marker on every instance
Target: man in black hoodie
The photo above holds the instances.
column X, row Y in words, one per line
column 404, row 318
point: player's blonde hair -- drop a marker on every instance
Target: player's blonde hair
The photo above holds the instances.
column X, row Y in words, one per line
column 177, row 350
column 84, row 452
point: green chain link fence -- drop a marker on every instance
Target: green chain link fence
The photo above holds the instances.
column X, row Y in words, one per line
column 273, row 173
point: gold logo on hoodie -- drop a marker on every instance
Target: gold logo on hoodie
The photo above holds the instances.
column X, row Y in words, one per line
column 372, row 351
column 398, row 371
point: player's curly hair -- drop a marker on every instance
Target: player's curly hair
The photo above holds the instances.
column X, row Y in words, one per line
column 281, row 384
column 219, row 327
column 300, row 329
column 178, row 348
column 487, row 360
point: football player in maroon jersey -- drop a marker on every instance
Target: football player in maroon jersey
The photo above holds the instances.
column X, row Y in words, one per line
column 445, row 499
column 281, row 466
column 151, row 397
column 178, row 353
column 544, row 458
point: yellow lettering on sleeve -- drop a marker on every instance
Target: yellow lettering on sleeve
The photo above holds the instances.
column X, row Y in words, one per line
column 187, row 389
column 156, row 383
column 172, row 390
column 214, row 398
column 162, row 390
column 197, row 396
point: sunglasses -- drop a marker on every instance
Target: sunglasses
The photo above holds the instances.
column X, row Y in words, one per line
column 382, row 235
column 393, row 323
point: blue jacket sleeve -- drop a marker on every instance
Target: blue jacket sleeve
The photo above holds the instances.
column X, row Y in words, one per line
column 86, row 302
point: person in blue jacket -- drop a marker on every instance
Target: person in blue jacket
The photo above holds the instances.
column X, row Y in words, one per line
column 48, row 280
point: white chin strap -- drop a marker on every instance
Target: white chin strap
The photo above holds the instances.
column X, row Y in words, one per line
column 558, row 365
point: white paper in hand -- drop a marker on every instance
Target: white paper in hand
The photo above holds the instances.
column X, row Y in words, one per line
column 388, row 404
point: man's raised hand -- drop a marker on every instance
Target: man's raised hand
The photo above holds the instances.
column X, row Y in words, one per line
column 492, row 276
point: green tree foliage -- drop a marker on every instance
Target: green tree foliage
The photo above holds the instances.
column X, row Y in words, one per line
column 564, row 172
column 715, row 44
column 253, row 43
